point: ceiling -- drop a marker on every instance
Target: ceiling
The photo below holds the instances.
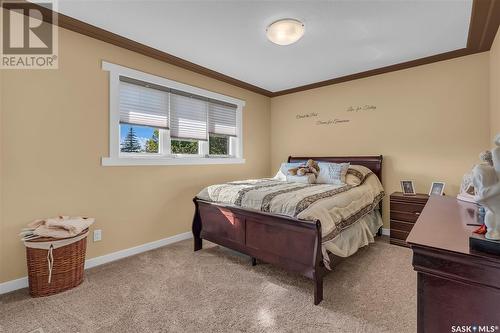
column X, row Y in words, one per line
column 341, row 37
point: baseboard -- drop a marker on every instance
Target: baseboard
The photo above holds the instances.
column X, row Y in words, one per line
column 12, row 285
column 135, row 250
column 386, row 232
column 20, row 283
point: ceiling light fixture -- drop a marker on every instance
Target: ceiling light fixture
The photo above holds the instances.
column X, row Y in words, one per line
column 285, row 31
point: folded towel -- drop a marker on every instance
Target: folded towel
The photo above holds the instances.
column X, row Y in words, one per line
column 57, row 227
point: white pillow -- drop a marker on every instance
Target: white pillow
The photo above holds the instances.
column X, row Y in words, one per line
column 283, row 171
column 332, row 173
column 309, row 178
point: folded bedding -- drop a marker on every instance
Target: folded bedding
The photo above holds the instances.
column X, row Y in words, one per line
column 337, row 206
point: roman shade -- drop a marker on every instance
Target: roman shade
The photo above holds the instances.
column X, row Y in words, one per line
column 142, row 105
column 189, row 117
column 222, row 118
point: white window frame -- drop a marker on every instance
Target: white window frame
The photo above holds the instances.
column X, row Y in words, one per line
column 165, row 157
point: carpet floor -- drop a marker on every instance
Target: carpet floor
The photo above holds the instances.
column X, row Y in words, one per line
column 173, row 289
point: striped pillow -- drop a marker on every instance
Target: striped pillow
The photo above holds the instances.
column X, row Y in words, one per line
column 332, row 173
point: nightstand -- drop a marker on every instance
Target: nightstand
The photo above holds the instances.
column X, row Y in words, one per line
column 405, row 210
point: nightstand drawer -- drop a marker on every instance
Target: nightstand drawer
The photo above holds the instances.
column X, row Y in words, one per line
column 401, row 226
column 405, row 216
column 405, row 211
column 408, row 207
column 398, row 234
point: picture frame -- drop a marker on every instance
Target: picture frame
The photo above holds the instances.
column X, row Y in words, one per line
column 408, row 187
column 437, row 188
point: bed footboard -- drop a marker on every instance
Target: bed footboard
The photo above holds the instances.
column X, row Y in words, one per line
column 289, row 243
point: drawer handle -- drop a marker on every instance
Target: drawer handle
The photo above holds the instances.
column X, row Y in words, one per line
column 416, row 213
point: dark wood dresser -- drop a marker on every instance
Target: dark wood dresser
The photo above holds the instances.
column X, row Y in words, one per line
column 405, row 211
column 456, row 286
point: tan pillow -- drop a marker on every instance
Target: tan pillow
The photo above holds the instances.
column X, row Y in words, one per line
column 356, row 175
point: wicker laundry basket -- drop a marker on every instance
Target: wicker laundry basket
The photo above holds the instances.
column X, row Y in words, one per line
column 55, row 265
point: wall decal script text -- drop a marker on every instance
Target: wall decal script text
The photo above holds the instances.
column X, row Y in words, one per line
column 361, row 108
column 332, row 122
column 307, row 115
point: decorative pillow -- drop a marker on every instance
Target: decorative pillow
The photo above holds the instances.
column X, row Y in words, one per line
column 309, row 178
column 283, row 171
column 356, row 175
column 332, row 173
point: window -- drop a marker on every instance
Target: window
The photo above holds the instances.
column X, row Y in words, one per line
column 139, row 139
column 218, row 145
column 185, row 147
column 155, row 121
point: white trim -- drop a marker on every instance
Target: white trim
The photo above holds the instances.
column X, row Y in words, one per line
column 121, row 161
column 12, row 285
column 114, row 114
column 386, row 232
column 97, row 261
column 239, row 126
column 203, row 148
column 117, row 159
column 161, row 81
column 20, row 283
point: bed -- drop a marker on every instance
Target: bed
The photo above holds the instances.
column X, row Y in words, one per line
column 286, row 233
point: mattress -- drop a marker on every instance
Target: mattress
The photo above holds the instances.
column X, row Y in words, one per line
column 338, row 207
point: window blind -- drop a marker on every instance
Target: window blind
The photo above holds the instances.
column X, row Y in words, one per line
column 140, row 105
column 222, row 119
column 188, row 117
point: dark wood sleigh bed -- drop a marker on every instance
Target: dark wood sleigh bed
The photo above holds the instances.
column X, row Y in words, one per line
column 292, row 244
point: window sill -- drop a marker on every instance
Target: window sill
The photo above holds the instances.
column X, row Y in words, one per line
column 133, row 161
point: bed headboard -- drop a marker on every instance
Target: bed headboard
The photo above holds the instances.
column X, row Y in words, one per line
column 374, row 163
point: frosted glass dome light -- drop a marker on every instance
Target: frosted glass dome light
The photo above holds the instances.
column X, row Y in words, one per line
column 285, row 31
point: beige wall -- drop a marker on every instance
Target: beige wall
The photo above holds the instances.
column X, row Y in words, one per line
column 495, row 86
column 430, row 122
column 55, row 130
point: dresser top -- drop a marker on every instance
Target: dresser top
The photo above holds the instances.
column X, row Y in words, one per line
column 443, row 225
column 419, row 198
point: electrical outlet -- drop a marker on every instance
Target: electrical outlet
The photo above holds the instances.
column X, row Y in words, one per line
column 97, row 235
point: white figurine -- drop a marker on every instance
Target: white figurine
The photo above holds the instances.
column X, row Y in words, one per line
column 486, row 179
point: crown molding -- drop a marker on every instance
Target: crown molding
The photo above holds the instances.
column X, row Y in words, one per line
column 377, row 71
column 485, row 20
